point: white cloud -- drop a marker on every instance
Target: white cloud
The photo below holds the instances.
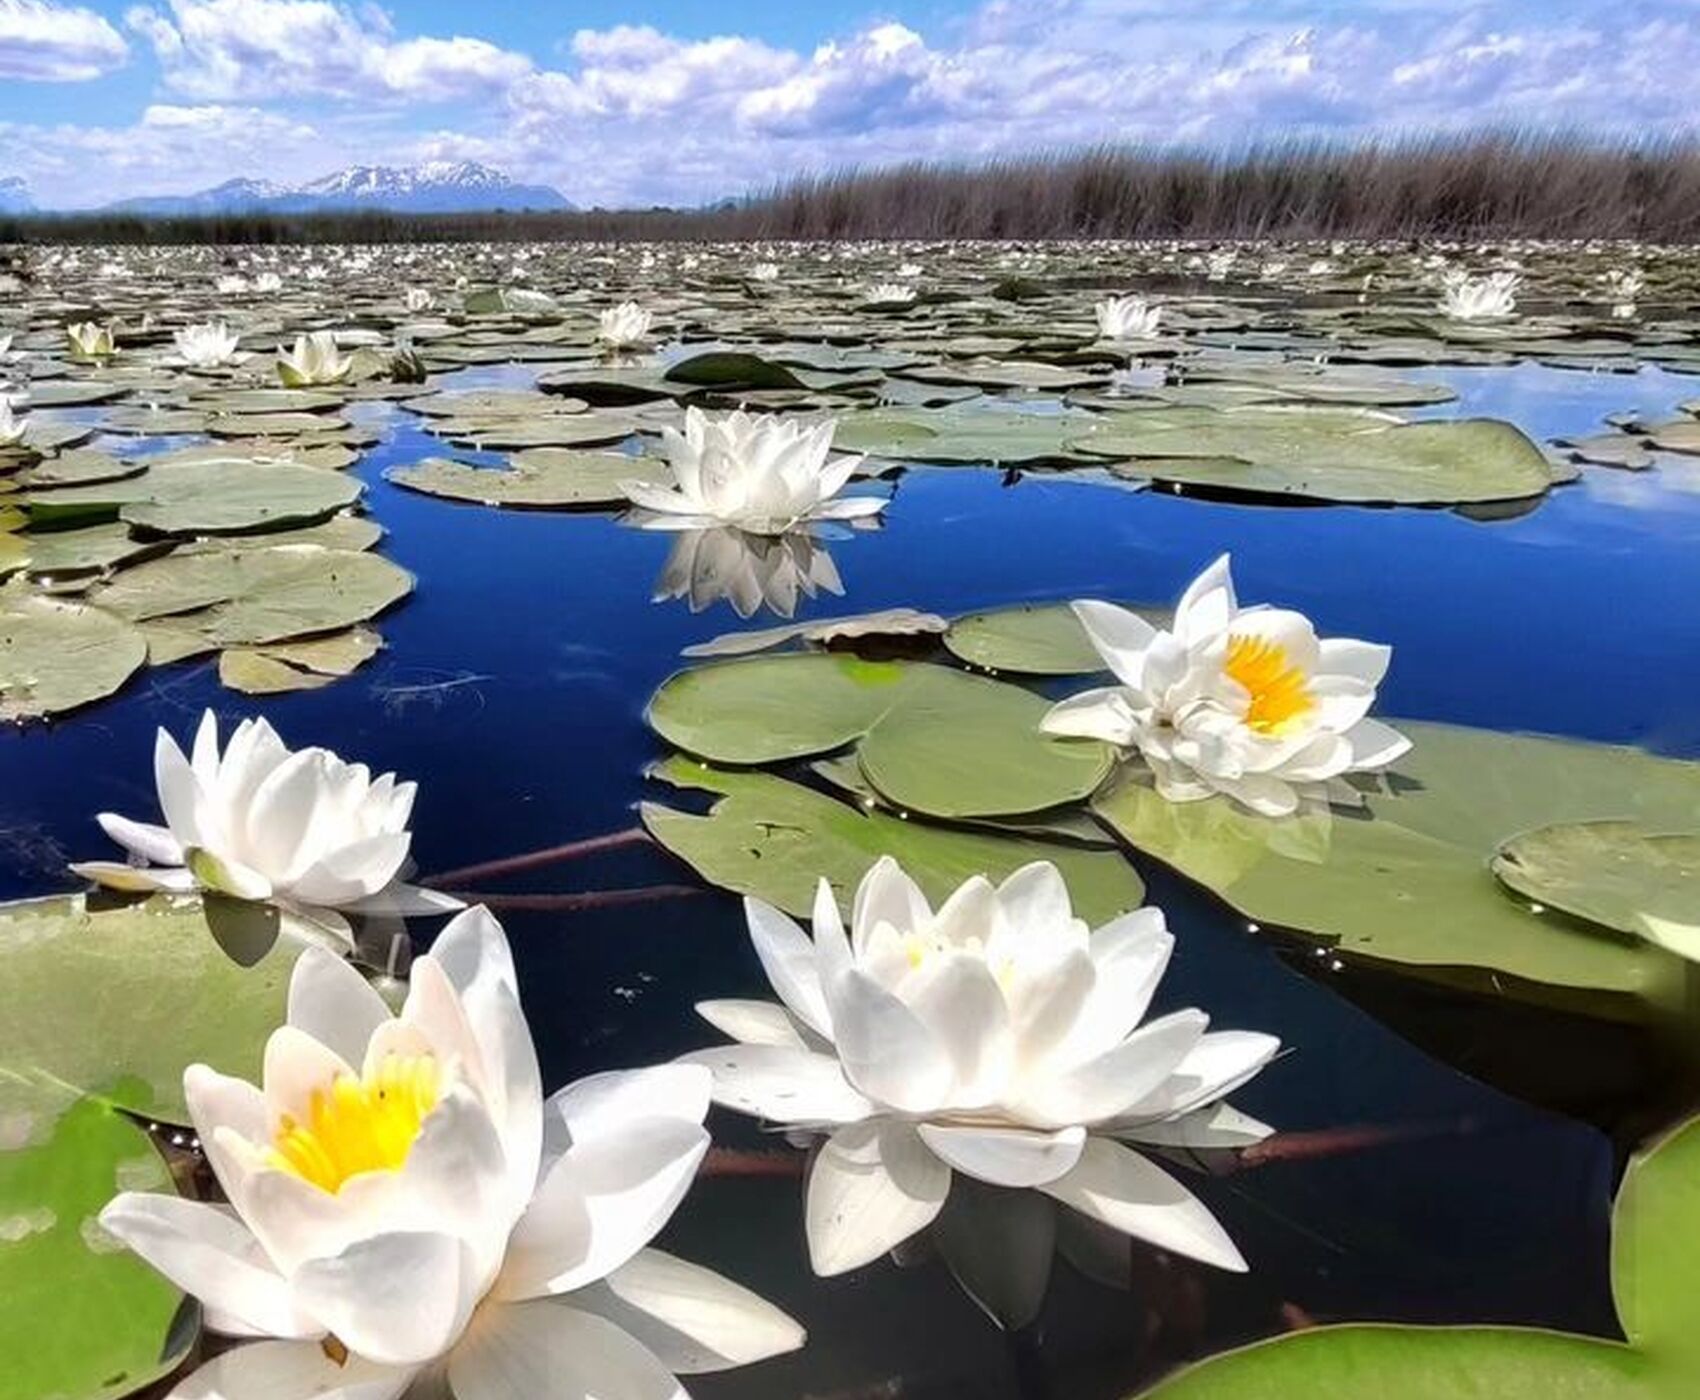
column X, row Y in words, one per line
column 43, row 42
column 268, row 49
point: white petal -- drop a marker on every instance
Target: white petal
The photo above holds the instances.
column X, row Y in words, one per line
column 1375, row 745
column 1217, row 1065
column 1219, row 1126
column 788, row 957
column 154, row 844
column 872, row 1186
column 1207, row 606
column 602, row 1201
column 211, row 1254
column 1005, row 1156
column 1127, row 1192
column 291, row 1371
column 330, row 1001
column 752, row 1022
column 397, row 1299
column 132, row 879
column 689, row 1317
column 959, row 1001
column 783, row 1084
column 180, row 796
column 1103, row 1087
column 887, row 1051
column 546, row 1350
column 886, row 894
column 1095, row 714
column 1119, row 636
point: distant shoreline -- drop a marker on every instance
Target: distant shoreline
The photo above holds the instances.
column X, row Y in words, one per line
column 1484, row 187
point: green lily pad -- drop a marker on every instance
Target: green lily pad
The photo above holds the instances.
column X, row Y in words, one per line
column 83, row 1318
column 304, row 665
column 1611, row 872
column 56, row 655
column 727, row 369
column 930, row 738
column 217, row 496
column 252, row 597
column 969, row 435
column 1654, row 1228
column 775, row 839
column 1036, row 639
column 1405, row 881
column 543, row 478
column 1313, row 454
column 890, row 622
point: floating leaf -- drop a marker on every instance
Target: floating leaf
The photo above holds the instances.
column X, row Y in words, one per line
column 207, row 497
column 542, row 478
column 1611, row 872
column 306, row 665
column 1405, row 881
column 891, row 622
column 1037, row 639
column 56, row 654
column 775, row 840
column 930, row 738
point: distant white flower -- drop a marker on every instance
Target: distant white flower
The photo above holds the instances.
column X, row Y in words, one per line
column 1623, row 284
column 1490, row 298
column 758, row 472
column 206, row 346
column 998, row 1037
column 6, row 346
column 910, row 270
column 314, row 360
column 1219, row 264
column 418, row 299
column 231, row 285
column 268, row 282
column 1244, row 702
column 751, row 572
column 624, row 326
column 90, row 341
column 890, row 294
column 317, row 272
column 14, row 428
column 1127, row 318
column 407, row 1215
column 765, row 272
column 263, row 822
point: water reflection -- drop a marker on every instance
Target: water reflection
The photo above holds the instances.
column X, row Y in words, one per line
column 750, row 572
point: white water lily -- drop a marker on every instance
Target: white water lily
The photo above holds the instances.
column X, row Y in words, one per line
column 1490, row 298
column 757, row 472
column 14, row 428
column 750, row 572
column 1245, row 702
column 407, row 1215
column 89, row 340
column 207, row 346
column 998, row 1037
column 890, row 294
column 624, row 326
column 314, row 360
column 1127, row 318
column 232, row 284
column 418, row 299
column 268, row 282
column 263, row 822
column 765, row 272
column 1623, row 284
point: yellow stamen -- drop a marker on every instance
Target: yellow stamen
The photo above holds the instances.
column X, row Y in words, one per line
column 1278, row 689
column 359, row 1125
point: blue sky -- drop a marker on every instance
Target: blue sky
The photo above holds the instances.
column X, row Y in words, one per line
column 676, row 101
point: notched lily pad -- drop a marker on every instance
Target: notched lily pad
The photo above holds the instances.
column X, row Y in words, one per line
column 1611, row 872
column 57, row 654
column 542, row 478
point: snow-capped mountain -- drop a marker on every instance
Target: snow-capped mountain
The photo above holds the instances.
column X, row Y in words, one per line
column 15, row 197
column 436, row 187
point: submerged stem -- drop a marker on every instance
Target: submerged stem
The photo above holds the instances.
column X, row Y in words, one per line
column 532, row 860
column 584, row 899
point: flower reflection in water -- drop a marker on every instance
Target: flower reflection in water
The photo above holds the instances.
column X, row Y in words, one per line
column 751, row 572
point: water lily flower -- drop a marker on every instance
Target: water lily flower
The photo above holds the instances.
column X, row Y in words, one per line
column 314, row 360
column 910, row 270
column 90, row 340
column 1245, row 702
column 758, row 472
column 750, row 572
column 14, row 428
column 997, row 1037
column 765, row 272
column 1127, row 318
column 207, row 346
column 407, row 1211
column 1623, row 284
column 268, row 282
column 1489, row 298
column 232, row 284
column 263, row 822
column 624, row 326
column 890, row 294
column 418, row 299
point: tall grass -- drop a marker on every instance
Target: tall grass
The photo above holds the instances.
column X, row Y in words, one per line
column 1487, row 186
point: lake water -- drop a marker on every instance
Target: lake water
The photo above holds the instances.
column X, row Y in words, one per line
column 1428, row 1172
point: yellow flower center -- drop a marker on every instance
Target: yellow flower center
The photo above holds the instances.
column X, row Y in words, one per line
column 359, row 1124
column 1278, row 690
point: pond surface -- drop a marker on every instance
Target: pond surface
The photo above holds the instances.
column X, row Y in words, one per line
column 1427, row 1171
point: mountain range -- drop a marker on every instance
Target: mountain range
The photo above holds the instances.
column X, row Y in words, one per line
column 436, row 187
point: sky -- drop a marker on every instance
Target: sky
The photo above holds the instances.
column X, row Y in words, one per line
column 682, row 102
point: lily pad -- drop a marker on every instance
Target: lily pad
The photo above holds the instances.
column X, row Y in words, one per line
column 891, row 622
column 56, row 655
column 305, row 665
column 930, row 738
column 1654, row 1227
column 776, row 839
column 542, row 478
column 1036, row 639
column 206, row 497
column 1404, row 881
column 1610, row 872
